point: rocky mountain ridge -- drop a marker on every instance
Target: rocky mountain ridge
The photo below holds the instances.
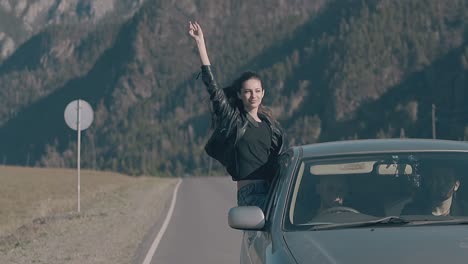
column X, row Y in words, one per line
column 24, row 18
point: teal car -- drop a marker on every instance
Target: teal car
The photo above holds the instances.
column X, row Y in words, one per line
column 362, row 201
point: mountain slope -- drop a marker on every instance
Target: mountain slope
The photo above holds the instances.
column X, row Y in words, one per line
column 332, row 70
column 20, row 19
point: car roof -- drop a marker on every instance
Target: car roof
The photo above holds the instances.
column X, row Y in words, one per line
column 369, row 146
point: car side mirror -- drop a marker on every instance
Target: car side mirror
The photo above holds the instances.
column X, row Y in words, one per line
column 246, row 218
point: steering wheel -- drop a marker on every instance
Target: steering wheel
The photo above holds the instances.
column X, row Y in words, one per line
column 339, row 209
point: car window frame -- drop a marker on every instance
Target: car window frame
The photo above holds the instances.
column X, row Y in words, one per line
column 273, row 195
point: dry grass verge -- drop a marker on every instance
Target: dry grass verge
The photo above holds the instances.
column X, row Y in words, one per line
column 39, row 223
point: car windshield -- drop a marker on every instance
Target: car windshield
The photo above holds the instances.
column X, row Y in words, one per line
column 412, row 187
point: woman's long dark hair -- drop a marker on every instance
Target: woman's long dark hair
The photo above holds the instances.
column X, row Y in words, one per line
column 235, row 88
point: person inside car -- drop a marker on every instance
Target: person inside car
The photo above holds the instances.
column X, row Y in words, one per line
column 332, row 191
column 437, row 194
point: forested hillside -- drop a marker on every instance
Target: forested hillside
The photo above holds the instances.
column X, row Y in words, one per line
column 332, row 70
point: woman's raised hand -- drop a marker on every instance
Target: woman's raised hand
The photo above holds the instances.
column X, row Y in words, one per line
column 195, row 31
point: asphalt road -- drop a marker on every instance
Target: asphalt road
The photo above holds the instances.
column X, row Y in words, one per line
column 198, row 231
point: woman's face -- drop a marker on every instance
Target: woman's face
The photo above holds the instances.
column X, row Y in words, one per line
column 251, row 94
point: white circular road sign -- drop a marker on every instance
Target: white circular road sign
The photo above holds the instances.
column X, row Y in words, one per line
column 81, row 111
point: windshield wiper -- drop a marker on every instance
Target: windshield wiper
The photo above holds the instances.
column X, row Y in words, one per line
column 389, row 220
column 440, row 222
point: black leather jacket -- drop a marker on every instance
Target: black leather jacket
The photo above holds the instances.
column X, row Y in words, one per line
column 235, row 122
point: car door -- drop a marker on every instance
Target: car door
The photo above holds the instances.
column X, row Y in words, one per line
column 259, row 242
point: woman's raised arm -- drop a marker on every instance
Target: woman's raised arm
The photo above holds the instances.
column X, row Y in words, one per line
column 222, row 110
column 196, row 32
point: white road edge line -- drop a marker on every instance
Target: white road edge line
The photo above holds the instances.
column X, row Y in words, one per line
column 154, row 246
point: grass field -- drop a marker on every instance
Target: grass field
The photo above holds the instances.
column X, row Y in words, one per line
column 29, row 193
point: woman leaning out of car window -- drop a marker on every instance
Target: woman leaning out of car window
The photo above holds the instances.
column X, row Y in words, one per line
column 247, row 139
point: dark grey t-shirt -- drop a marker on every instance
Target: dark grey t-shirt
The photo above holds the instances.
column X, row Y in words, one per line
column 253, row 150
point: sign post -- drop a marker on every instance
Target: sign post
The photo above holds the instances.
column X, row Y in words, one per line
column 78, row 116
